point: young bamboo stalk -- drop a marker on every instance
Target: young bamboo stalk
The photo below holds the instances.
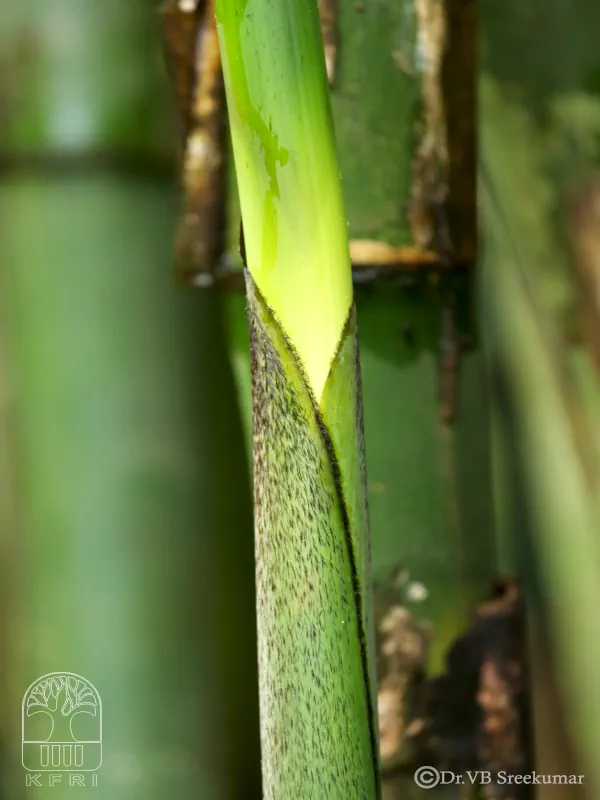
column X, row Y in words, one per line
column 432, row 531
column 315, row 635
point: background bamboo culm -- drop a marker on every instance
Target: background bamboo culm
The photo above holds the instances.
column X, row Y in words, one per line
column 124, row 443
column 539, row 130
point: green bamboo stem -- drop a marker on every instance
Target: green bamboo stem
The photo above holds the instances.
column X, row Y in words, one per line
column 436, row 520
column 536, row 126
column 429, row 482
column 315, row 634
column 133, row 565
column 562, row 514
column 6, row 563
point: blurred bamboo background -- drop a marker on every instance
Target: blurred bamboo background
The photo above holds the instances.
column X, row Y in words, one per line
column 130, row 487
column 539, row 133
column 125, row 521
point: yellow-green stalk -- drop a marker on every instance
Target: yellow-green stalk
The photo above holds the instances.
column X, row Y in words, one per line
column 318, row 717
column 286, row 163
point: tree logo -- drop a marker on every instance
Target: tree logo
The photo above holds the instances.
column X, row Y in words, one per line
column 62, row 724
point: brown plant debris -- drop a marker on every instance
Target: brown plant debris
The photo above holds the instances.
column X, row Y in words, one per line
column 441, row 209
column 371, row 253
column 474, row 716
column 402, row 643
column 459, row 71
column 477, row 711
column 180, row 23
column 426, row 210
column 401, row 656
column 193, row 54
column 328, row 17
